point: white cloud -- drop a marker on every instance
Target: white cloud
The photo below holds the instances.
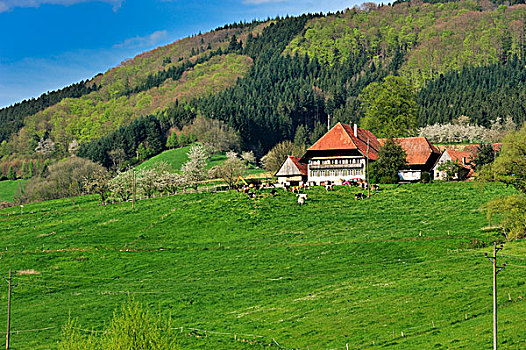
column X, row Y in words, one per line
column 143, row 41
column 6, row 5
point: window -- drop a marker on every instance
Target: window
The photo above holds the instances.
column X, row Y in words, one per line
column 358, row 172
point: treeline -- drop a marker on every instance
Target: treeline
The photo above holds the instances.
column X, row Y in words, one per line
column 496, row 2
column 484, row 94
column 12, row 117
column 142, row 138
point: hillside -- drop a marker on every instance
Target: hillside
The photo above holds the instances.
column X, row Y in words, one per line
column 321, row 275
column 462, row 57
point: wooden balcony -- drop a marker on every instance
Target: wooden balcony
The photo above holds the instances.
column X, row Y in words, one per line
column 335, row 166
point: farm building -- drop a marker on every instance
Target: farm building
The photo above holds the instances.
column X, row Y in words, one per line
column 341, row 155
column 421, row 157
column 292, row 172
column 461, row 158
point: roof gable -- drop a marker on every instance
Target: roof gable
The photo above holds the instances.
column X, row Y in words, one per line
column 418, row 149
column 341, row 137
column 292, row 167
column 461, row 157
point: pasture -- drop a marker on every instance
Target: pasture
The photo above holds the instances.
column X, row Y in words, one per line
column 404, row 269
column 8, row 189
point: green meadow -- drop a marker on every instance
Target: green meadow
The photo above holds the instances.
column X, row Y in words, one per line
column 8, row 189
column 404, row 269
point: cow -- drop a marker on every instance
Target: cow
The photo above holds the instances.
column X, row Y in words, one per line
column 359, row 196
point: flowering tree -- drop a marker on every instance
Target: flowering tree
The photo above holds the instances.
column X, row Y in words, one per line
column 121, row 186
column 98, row 183
column 194, row 170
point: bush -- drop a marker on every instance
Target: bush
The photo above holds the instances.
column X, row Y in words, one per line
column 512, row 213
column 134, row 328
column 64, row 179
column 426, row 177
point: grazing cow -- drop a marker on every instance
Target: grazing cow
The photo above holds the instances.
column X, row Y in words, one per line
column 301, row 198
column 359, row 196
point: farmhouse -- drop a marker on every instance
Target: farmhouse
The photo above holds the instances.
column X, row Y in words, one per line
column 461, row 158
column 342, row 153
column 421, row 157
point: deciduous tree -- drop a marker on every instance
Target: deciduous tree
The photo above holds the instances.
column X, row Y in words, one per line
column 389, row 107
column 194, row 170
column 277, row 155
column 229, row 170
column 391, row 159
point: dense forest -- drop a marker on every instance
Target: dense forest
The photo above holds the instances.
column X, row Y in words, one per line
column 484, row 94
column 12, row 117
column 277, row 79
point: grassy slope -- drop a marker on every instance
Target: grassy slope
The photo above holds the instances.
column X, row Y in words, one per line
column 332, row 272
column 177, row 157
column 8, row 189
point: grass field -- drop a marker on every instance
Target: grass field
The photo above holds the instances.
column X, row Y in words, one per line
column 8, row 189
column 333, row 272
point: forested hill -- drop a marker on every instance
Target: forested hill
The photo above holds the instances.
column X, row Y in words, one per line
column 274, row 79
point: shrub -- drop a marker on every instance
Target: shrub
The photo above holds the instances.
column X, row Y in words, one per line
column 512, row 213
column 133, row 328
column 64, row 179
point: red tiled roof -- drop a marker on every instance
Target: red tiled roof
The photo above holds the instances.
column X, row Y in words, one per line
column 302, row 167
column 459, row 156
column 473, row 148
column 341, row 137
column 418, row 149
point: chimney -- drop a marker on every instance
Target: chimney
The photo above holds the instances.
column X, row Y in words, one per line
column 355, row 130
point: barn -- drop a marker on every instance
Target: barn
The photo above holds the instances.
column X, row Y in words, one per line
column 292, row 172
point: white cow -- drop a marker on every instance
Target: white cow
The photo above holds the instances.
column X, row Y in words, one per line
column 301, row 198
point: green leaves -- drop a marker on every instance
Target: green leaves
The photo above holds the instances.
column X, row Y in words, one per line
column 389, row 108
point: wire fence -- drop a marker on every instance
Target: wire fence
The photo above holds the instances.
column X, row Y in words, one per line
column 390, row 332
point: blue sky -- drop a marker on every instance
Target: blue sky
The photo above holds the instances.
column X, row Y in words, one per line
column 48, row 44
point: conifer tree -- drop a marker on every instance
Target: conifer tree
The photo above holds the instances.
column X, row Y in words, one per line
column 11, row 175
